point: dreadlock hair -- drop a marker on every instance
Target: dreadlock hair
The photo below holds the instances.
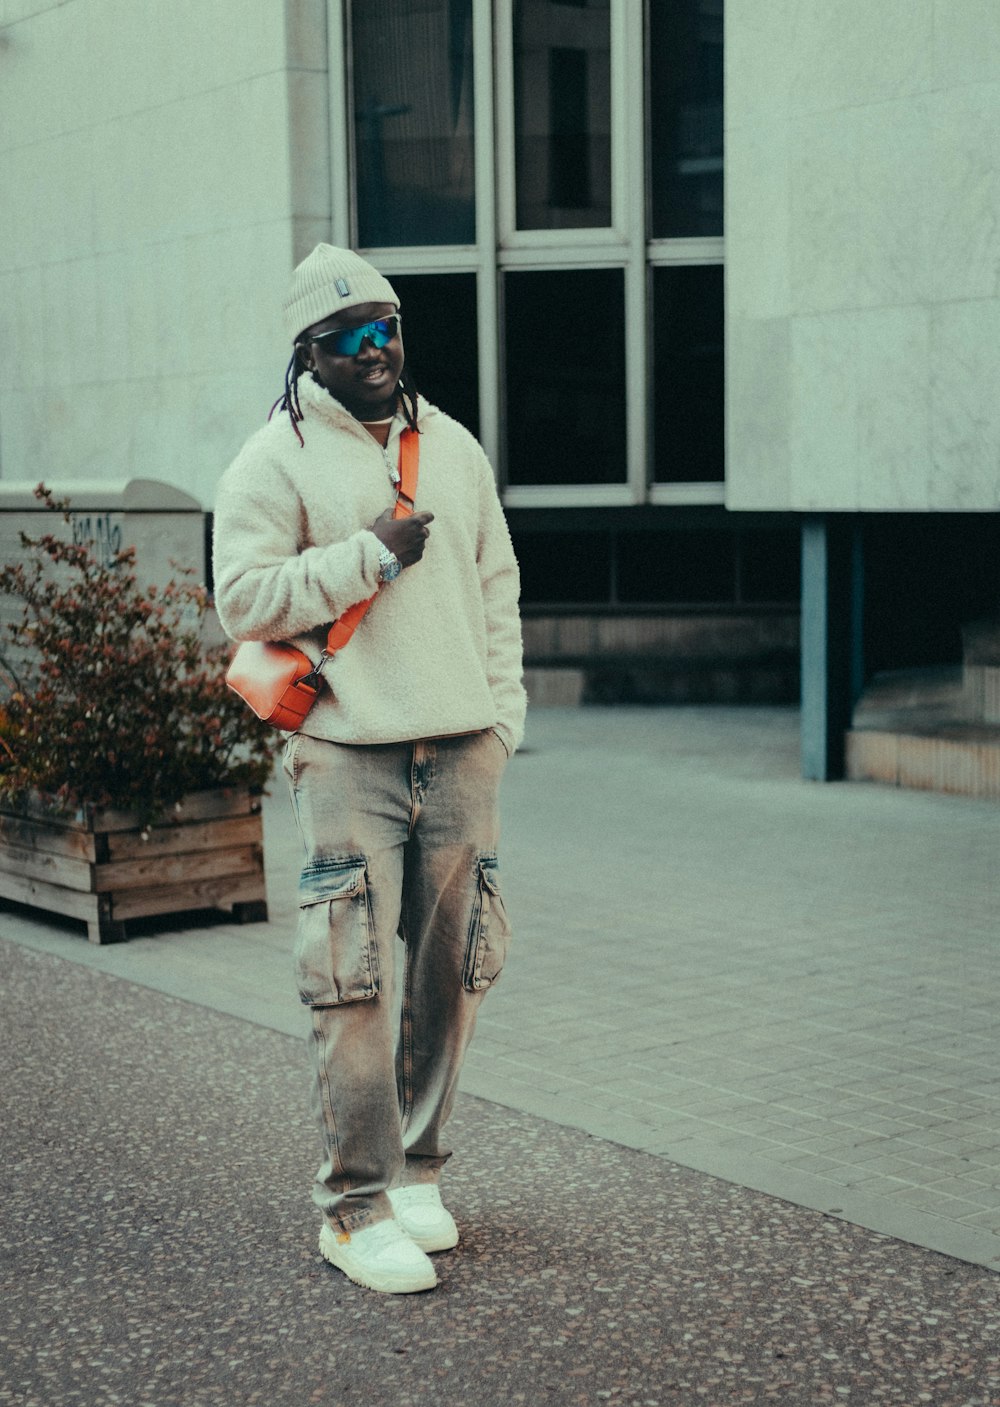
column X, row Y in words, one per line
column 290, row 399
column 406, row 393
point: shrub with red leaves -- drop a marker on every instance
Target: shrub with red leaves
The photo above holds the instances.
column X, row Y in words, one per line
column 113, row 698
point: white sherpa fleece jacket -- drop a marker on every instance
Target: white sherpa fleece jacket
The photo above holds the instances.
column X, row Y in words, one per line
column 439, row 650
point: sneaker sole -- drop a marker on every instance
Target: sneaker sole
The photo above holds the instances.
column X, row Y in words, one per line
column 387, row 1284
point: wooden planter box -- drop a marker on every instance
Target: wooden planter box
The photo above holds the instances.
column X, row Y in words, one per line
column 102, row 867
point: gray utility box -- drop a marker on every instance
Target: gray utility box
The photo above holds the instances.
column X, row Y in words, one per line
column 165, row 525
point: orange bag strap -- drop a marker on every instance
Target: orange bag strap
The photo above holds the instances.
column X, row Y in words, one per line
column 406, row 496
column 409, row 456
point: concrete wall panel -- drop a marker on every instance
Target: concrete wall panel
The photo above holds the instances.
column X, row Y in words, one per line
column 863, row 214
column 170, row 162
column 962, row 203
column 823, row 411
column 758, row 393
column 966, row 42
column 758, row 264
column 854, row 52
column 965, row 407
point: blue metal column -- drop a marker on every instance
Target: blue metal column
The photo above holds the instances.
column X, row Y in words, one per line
column 832, row 662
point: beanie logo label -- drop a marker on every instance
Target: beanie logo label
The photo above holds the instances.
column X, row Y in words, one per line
column 342, row 287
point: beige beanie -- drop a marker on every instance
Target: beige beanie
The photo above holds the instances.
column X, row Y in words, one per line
column 329, row 280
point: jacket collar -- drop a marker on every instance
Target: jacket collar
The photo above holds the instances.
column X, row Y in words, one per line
column 318, row 404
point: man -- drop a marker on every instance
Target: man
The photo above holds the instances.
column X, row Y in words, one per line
column 395, row 771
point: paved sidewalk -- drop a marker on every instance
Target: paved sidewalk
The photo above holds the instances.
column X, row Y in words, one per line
column 792, row 987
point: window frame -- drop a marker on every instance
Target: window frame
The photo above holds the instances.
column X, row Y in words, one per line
column 584, row 239
column 681, row 253
column 500, row 247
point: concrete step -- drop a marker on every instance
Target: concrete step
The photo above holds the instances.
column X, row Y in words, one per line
column 901, row 697
column 677, row 656
column 653, row 682
column 957, row 756
column 982, row 691
column 924, row 729
column 981, row 654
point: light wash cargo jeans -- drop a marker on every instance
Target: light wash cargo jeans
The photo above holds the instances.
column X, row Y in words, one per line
column 400, row 839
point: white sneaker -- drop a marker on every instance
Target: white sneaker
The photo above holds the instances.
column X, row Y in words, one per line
column 419, row 1212
column 380, row 1257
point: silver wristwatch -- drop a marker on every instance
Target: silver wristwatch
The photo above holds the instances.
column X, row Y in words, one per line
column 389, row 565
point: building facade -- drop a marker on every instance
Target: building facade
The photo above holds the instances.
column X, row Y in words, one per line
column 723, row 314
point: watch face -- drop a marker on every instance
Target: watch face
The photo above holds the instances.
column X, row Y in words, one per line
column 389, row 565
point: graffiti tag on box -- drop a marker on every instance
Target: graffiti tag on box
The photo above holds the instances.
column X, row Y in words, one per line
column 101, row 531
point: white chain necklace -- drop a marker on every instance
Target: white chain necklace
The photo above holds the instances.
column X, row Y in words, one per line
column 387, row 459
column 393, row 471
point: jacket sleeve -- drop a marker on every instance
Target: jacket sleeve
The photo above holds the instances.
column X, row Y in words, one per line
column 501, row 587
column 266, row 588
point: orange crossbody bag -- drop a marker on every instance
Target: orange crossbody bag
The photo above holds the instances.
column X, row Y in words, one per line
column 278, row 681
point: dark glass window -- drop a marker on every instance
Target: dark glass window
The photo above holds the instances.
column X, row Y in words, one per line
column 688, row 371
column 565, row 356
column 685, row 117
column 562, row 114
column 439, row 336
column 770, row 566
column 413, row 121
column 682, row 567
column 560, row 568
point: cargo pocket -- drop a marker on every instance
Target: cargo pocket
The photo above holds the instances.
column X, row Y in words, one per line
column 489, row 929
column 336, row 958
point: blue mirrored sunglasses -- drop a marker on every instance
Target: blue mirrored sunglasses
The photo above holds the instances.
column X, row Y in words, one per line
column 346, row 341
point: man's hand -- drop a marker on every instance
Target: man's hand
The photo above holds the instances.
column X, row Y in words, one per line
column 405, row 538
